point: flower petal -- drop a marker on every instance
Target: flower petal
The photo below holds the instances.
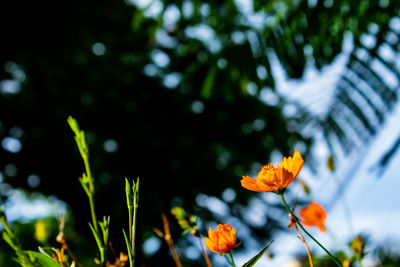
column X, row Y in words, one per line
column 297, row 163
column 250, row 184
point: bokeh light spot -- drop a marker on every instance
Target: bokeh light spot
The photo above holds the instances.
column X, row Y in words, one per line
column 11, row 144
column 172, row 80
column 16, row 132
column 10, row 170
column 192, row 253
column 150, row 70
column 10, row 87
column 160, row 58
column 222, row 63
column 110, row 145
column 33, row 180
column 151, row 245
column 262, row 72
column 197, row 107
column 229, row 195
column 251, row 88
column 98, row 49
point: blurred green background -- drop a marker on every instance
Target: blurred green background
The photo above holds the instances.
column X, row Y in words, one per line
column 181, row 94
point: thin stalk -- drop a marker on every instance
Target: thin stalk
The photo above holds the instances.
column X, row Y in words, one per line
column 105, row 256
column 93, row 212
column 170, row 242
column 91, row 191
column 60, row 239
column 231, row 257
column 130, row 222
column 87, row 182
column 305, row 244
column 88, row 172
column 133, row 230
column 204, row 253
column 301, row 226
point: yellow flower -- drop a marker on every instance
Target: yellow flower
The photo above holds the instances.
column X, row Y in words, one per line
column 275, row 179
column 314, row 215
column 222, row 240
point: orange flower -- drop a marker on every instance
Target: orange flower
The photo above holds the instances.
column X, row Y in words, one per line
column 222, row 240
column 275, row 179
column 314, row 215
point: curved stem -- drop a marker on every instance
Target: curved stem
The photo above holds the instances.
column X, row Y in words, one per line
column 305, row 231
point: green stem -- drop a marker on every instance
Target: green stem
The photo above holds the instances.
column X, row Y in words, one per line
column 105, row 255
column 6, row 227
column 93, row 212
column 103, row 250
column 305, row 231
column 91, row 191
column 231, row 257
column 88, row 172
column 130, row 224
column 134, row 233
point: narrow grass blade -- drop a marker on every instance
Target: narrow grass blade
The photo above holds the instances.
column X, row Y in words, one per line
column 253, row 260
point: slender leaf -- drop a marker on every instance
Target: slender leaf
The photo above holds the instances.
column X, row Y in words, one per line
column 253, row 260
column 95, row 234
column 8, row 240
column 128, row 247
column 43, row 260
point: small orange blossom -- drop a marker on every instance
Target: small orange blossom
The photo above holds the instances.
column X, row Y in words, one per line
column 222, row 240
column 314, row 215
column 275, row 179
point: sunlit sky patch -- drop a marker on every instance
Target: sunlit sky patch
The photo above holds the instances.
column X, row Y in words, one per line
column 38, row 207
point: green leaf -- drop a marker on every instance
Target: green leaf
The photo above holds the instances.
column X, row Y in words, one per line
column 104, row 225
column 129, row 197
column 73, row 124
column 208, row 84
column 253, row 260
column 41, row 250
column 96, row 236
column 128, row 247
column 7, row 238
column 43, row 260
column 135, row 189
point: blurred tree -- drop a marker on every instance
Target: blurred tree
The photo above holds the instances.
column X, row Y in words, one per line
column 173, row 92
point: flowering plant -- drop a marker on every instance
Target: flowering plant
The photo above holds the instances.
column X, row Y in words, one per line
column 222, row 240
